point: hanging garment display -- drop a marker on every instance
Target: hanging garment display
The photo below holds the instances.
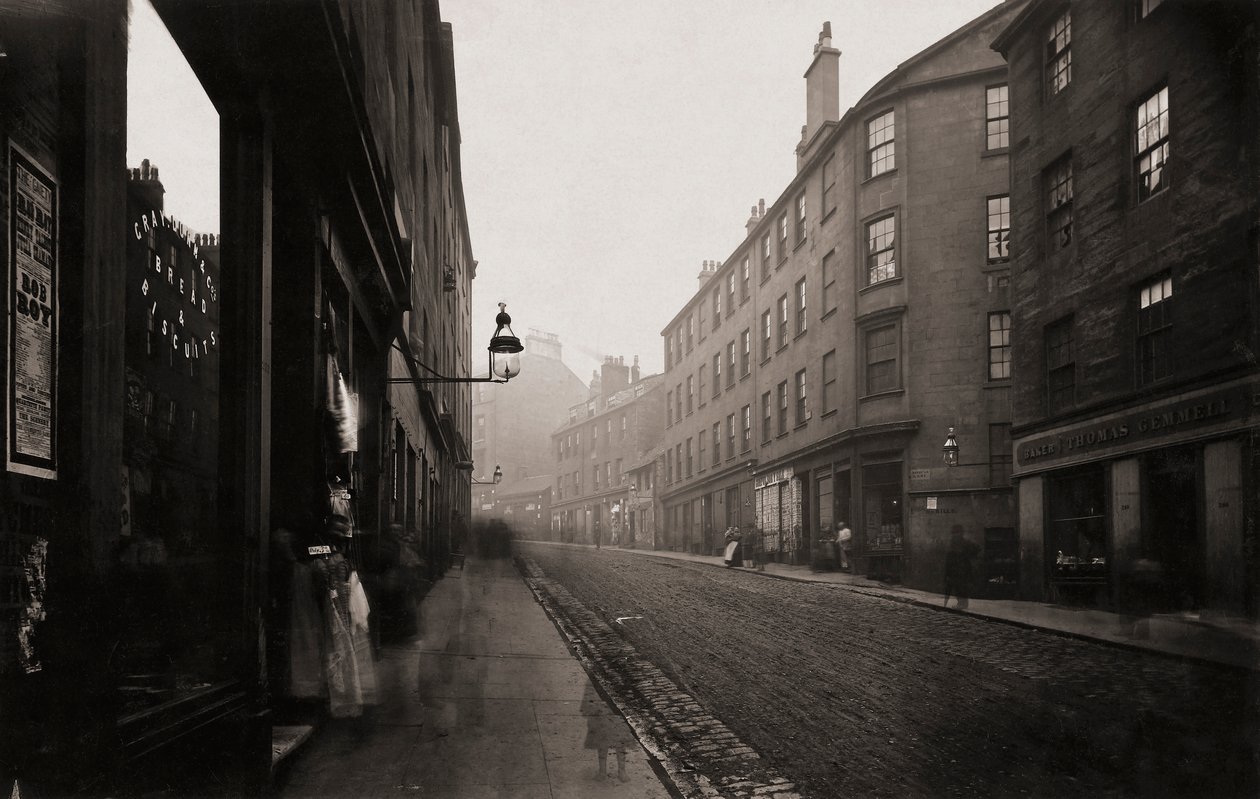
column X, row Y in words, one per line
column 342, row 411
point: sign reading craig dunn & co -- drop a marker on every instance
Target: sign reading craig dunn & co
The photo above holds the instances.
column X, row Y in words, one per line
column 1141, row 426
column 31, row 359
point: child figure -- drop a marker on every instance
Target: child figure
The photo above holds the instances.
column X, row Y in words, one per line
column 604, row 730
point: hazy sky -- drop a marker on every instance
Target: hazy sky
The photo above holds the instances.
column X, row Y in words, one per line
column 609, row 147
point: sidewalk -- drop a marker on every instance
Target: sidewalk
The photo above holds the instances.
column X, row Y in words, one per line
column 1222, row 640
column 488, row 702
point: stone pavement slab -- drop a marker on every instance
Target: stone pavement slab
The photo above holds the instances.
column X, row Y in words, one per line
column 487, row 702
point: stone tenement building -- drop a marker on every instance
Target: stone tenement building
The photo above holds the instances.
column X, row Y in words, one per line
column 815, row 375
column 1134, row 271
column 605, row 437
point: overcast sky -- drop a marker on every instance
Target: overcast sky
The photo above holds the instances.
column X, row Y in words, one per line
column 609, row 147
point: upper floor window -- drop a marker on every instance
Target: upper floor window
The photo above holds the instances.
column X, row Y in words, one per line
column 765, row 335
column 1151, row 146
column 765, row 257
column 669, row 408
column 881, row 251
column 717, row 375
column 800, row 217
column 1154, row 330
column 730, row 364
column 745, row 355
column 691, row 332
column 783, row 321
column 800, row 306
column 783, row 407
column 700, row 393
column 999, row 454
column 690, row 393
column 689, row 458
column 881, row 360
column 1059, row 54
column 717, row 443
column 828, row 396
column 997, row 117
column 783, row 236
column 880, row 145
column 800, row 397
column 678, row 403
column 669, row 350
column 765, row 416
column 999, row 212
column 745, row 442
column 744, row 279
column 1058, row 192
column 829, row 185
column 730, row 293
column 828, row 283
column 717, row 308
column 701, row 462
column 1000, row 345
column 1060, row 366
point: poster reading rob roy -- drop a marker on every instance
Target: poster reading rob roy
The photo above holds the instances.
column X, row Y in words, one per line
column 31, row 378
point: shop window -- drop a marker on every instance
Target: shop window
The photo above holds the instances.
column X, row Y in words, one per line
column 1059, row 54
column 1077, row 535
column 882, row 504
column 824, row 507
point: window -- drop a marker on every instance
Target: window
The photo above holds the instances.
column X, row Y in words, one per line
column 700, row 310
column 829, row 185
column 800, row 397
column 1059, row 54
column 669, row 350
column 730, row 293
column 765, row 416
column 717, row 307
column 828, row 283
column 717, row 443
column 700, row 461
column 997, row 117
column 1000, row 345
column 669, row 468
column 669, row 408
column 783, row 248
column 765, row 335
column 594, row 436
column 701, row 392
column 783, row 407
column 880, row 151
column 595, row 475
column 881, row 251
column 828, row 381
column 678, row 461
column 1058, row 188
column 881, row 359
column 608, row 474
column 800, row 306
column 623, row 416
column 744, row 278
column 621, row 476
column 717, row 375
column 999, row 211
column 690, row 394
column 689, row 461
column 800, row 217
column 691, row 332
column 745, row 442
column 1151, row 145
column 765, row 258
column 730, row 364
column 745, row 353
column 999, row 454
column 1060, row 366
column 678, row 403
column 1154, row 339
column 783, row 321
column 730, row 435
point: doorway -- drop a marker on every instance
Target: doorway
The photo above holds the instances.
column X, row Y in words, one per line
column 1171, row 525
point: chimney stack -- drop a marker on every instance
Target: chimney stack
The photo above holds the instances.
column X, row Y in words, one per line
column 634, row 371
column 146, row 186
column 614, row 376
column 707, row 271
column 822, row 91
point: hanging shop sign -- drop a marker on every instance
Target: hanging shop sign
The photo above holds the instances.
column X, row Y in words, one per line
column 31, row 359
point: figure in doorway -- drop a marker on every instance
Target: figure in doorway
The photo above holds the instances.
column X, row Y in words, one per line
column 958, row 567
column 844, row 540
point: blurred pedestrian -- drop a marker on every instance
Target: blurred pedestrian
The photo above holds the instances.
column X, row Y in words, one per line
column 734, row 555
column 958, row 567
column 844, row 540
column 605, row 730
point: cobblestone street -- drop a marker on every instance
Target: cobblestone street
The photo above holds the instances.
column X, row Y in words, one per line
column 756, row 686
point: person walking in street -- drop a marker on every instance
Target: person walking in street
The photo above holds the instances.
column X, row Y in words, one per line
column 844, row 540
column 958, row 569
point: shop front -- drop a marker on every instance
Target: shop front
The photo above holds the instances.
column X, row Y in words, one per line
column 1145, row 508
column 779, row 495
column 881, row 537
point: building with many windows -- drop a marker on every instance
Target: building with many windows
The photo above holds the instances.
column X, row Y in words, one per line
column 607, row 436
column 814, row 376
column 1134, row 323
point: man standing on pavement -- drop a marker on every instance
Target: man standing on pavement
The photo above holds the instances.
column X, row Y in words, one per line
column 958, row 567
column 844, row 539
